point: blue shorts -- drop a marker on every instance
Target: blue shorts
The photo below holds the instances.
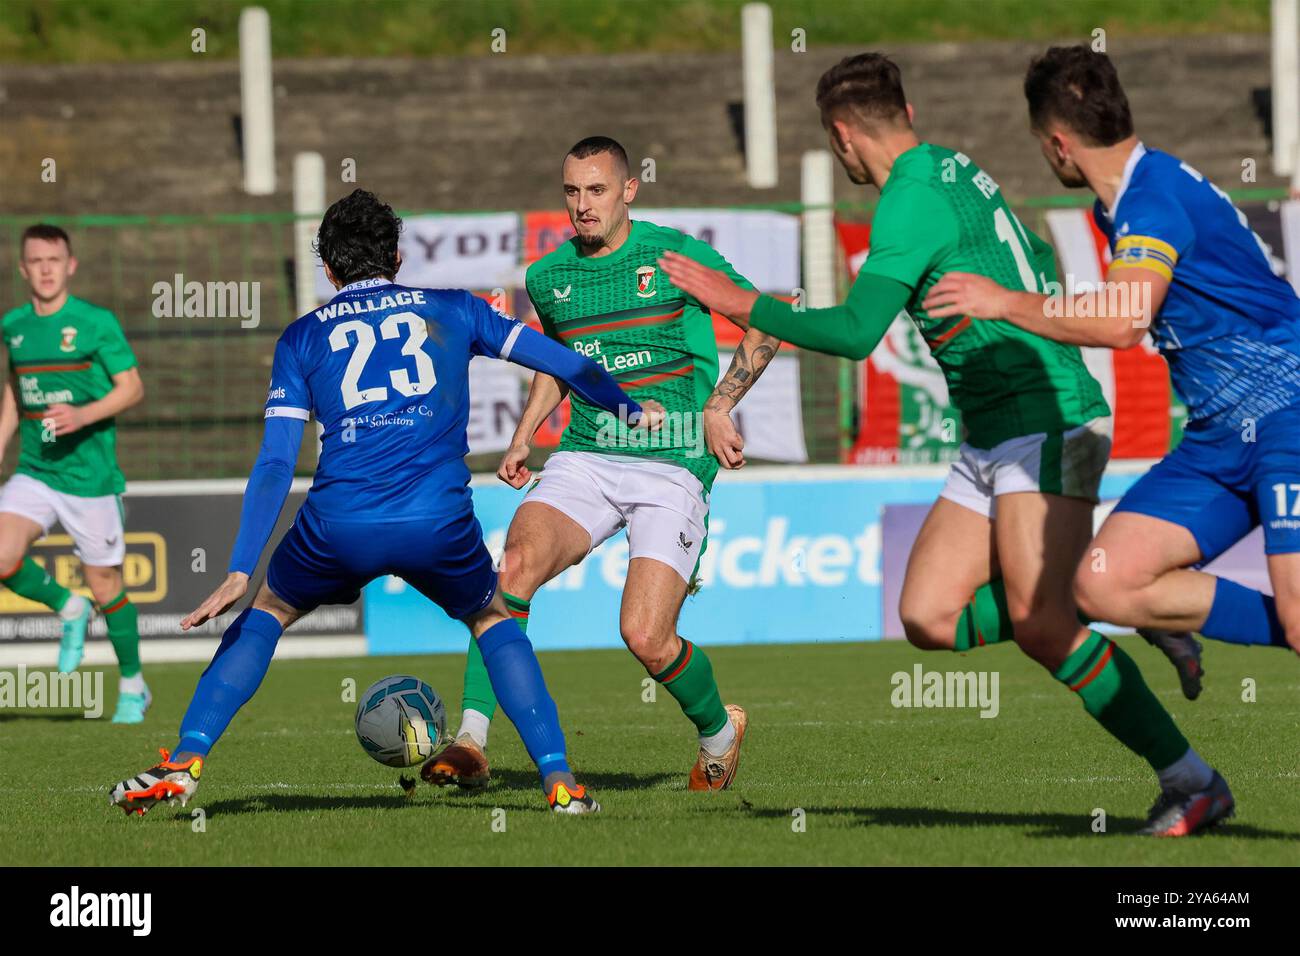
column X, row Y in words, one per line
column 1219, row 484
column 327, row 561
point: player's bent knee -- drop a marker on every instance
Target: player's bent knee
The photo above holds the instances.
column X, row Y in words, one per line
column 10, row 560
column 652, row 649
column 928, row 631
column 928, row 638
column 105, row 584
column 1098, row 594
column 521, row 571
column 1045, row 635
column 270, row 602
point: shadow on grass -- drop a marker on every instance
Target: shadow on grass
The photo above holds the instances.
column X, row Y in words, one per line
column 10, row 715
column 1043, row 824
column 514, row 783
column 303, row 803
column 513, row 779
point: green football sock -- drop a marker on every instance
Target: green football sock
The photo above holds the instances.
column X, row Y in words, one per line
column 689, row 679
column 478, row 693
column 33, row 582
column 985, row 619
column 123, row 633
column 1113, row 691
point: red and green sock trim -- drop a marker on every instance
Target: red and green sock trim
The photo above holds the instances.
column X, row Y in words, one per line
column 689, row 678
column 518, row 609
column 122, row 620
column 985, row 619
column 1114, row 693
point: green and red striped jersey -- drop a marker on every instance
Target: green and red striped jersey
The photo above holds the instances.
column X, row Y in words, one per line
column 621, row 311
column 70, row 358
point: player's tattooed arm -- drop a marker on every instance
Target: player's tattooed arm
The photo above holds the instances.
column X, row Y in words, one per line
column 754, row 353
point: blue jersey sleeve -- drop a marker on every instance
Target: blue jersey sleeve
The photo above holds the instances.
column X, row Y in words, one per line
column 1151, row 231
column 268, row 487
column 492, row 334
column 288, row 395
column 502, row 337
column 588, row 380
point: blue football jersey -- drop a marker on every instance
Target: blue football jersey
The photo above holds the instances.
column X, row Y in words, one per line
column 385, row 371
column 1230, row 323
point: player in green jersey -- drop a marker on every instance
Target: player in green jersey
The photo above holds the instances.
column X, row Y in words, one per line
column 75, row 372
column 602, row 294
column 995, row 558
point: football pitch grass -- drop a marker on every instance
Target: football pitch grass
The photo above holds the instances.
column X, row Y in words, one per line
column 832, row 772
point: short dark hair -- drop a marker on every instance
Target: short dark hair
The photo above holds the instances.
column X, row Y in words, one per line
column 1078, row 88
column 46, row 231
column 595, row 145
column 358, row 238
column 869, row 85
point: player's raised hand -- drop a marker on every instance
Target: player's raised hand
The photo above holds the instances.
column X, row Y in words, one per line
column 723, row 439
column 513, row 471
column 652, row 416
column 66, row 419
column 219, row 601
column 964, row 293
column 709, row 287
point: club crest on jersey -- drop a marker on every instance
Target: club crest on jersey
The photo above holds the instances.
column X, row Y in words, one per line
column 68, row 343
column 562, row 295
column 16, row 342
column 645, row 281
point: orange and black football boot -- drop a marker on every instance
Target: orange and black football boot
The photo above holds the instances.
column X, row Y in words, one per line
column 161, row 783
column 574, row 800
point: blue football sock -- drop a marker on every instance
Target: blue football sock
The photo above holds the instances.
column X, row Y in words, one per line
column 1240, row 615
column 517, row 681
column 230, row 680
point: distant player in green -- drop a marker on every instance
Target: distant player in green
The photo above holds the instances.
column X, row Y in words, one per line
column 995, row 559
column 75, row 372
column 602, row 294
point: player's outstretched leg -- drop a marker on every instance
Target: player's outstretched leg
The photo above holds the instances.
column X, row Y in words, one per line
column 519, row 686
column 1147, row 581
column 652, row 600
column 463, row 762
column 541, row 543
column 227, row 684
column 28, row 579
column 122, row 621
column 1037, row 537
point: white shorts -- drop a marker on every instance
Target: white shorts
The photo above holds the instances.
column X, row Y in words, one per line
column 95, row 524
column 663, row 506
column 1069, row 464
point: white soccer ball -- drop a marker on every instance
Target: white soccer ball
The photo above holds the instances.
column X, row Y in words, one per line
column 400, row 720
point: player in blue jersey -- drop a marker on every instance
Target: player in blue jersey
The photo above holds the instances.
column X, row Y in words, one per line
column 384, row 368
column 1186, row 264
